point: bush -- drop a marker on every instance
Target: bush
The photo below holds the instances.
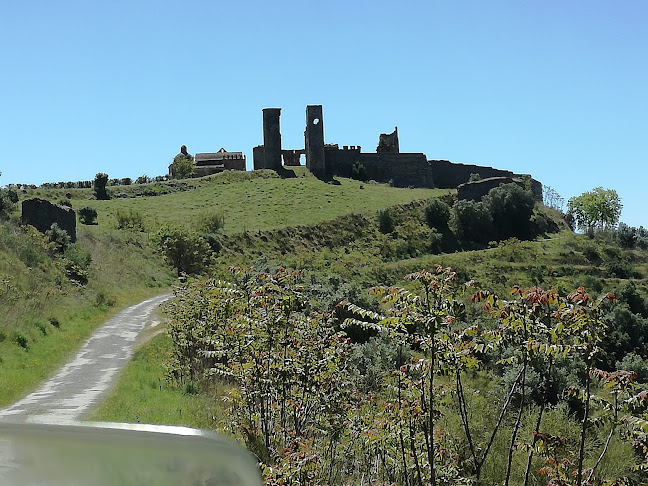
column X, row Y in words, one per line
column 358, row 172
column 386, row 222
column 8, row 200
column 437, row 213
column 634, row 362
column 211, row 221
column 99, row 184
column 77, row 262
column 59, row 237
column 626, row 236
column 131, row 220
column 511, row 208
column 213, row 242
column 87, row 215
column 472, row 221
column 65, row 202
column 186, row 251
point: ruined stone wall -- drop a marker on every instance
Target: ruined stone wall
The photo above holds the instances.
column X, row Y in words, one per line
column 448, row 175
column 41, row 214
column 314, row 142
column 402, row 170
column 341, row 161
column 272, row 138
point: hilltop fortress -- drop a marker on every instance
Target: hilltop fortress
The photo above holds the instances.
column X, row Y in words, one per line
column 387, row 164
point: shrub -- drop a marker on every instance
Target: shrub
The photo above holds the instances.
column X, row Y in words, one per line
column 511, row 208
column 212, row 221
column 472, row 221
column 21, row 340
column 99, row 184
column 213, row 242
column 8, row 200
column 634, row 362
column 358, row 172
column 65, row 202
column 77, row 262
column 87, row 215
column 626, row 236
column 437, row 213
column 386, row 222
column 186, row 251
column 474, row 177
column 59, row 237
column 130, row 219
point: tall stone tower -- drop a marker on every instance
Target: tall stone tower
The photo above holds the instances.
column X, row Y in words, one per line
column 272, row 138
column 314, row 143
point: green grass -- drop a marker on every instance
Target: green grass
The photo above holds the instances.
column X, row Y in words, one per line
column 46, row 317
column 142, row 394
column 250, row 201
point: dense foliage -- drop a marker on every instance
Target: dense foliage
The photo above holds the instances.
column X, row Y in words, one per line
column 596, row 209
column 438, row 407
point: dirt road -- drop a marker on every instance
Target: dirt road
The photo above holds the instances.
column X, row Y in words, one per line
column 83, row 381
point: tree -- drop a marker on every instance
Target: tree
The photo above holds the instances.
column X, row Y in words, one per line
column 597, row 209
column 472, row 220
column 87, row 215
column 511, row 208
column 186, row 251
column 99, row 184
column 183, row 167
column 437, row 213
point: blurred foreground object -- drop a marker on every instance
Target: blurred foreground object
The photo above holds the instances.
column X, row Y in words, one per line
column 120, row 454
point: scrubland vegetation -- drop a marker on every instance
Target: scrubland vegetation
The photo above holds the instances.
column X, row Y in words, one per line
column 502, row 370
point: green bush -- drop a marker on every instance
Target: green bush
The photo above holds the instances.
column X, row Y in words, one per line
column 130, row 219
column 386, row 222
column 59, row 237
column 358, row 172
column 8, row 200
column 87, row 215
column 472, row 221
column 186, row 251
column 211, row 221
column 511, row 208
column 99, row 185
column 437, row 213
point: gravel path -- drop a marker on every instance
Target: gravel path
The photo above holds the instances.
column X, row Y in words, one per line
column 82, row 382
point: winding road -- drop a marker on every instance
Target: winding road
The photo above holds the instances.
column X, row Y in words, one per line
column 83, row 382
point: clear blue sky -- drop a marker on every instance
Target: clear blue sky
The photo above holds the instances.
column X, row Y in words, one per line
column 557, row 89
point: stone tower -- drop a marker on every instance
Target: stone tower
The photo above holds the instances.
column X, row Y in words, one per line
column 314, row 143
column 272, row 138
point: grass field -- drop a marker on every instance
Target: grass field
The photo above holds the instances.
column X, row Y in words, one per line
column 250, row 201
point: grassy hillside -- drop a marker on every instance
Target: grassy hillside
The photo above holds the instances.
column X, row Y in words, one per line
column 46, row 315
column 250, row 201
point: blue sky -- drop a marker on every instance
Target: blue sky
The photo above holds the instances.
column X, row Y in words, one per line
column 557, row 89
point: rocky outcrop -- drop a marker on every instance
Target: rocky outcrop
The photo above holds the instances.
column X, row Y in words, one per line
column 41, row 214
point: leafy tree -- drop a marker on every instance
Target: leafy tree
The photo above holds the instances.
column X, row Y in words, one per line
column 99, row 184
column 597, row 209
column 87, row 215
column 358, row 171
column 472, row 221
column 186, row 251
column 59, row 238
column 8, row 200
column 183, row 168
column 626, row 236
column 437, row 213
column 511, row 208
column 386, row 222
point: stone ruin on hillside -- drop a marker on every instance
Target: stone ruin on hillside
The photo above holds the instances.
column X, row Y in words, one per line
column 41, row 214
column 388, row 164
